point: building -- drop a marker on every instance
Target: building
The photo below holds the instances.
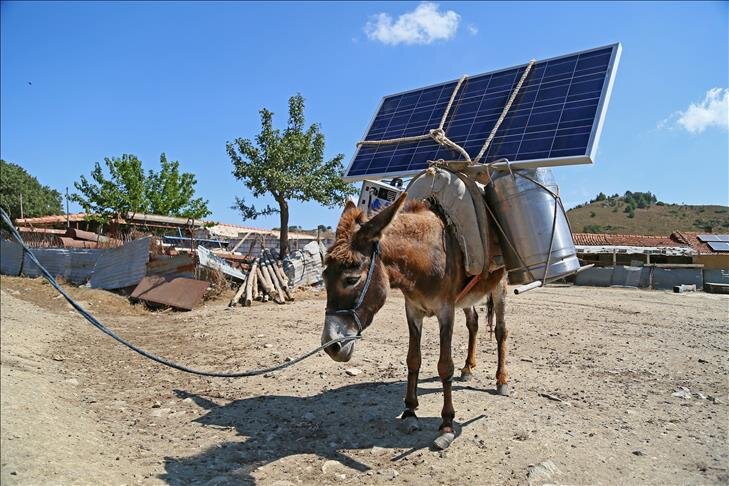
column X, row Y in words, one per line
column 659, row 262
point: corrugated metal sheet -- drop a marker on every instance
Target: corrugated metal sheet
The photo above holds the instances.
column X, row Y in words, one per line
column 181, row 293
column 123, row 266
column 209, row 260
column 74, row 265
column 718, row 275
column 11, row 257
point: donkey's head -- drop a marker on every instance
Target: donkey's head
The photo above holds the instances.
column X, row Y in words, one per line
column 355, row 278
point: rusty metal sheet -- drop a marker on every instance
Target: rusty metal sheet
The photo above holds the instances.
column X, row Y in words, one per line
column 179, row 292
column 178, row 265
column 208, row 259
column 71, row 243
column 91, row 236
column 123, row 266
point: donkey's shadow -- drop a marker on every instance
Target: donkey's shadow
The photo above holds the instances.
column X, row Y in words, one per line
column 327, row 425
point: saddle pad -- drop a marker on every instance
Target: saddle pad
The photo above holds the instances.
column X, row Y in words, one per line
column 456, row 195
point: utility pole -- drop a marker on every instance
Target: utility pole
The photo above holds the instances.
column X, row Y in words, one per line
column 68, row 221
column 21, row 206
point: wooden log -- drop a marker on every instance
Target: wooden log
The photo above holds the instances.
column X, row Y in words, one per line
column 274, row 279
column 276, row 293
column 248, row 299
column 239, row 293
column 266, row 284
column 254, row 287
column 276, row 273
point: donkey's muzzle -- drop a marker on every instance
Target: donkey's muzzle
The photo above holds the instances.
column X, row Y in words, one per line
column 334, row 348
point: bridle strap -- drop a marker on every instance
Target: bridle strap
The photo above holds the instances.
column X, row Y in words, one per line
column 370, row 272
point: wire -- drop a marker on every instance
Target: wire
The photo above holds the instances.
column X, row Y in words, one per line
column 164, row 361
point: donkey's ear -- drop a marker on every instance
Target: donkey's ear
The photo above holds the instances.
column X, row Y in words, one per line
column 372, row 229
column 350, row 206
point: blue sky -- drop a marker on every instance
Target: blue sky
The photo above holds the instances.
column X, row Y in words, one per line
column 184, row 78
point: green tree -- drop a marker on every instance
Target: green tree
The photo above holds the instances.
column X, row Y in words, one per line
column 172, row 193
column 288, row 164
column 127, row 190
column 38, row 200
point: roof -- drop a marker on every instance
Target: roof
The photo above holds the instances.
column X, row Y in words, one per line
column 691, row 239
column 55, row 219
column 677, row 239
column 603, row 239
column 234, row 231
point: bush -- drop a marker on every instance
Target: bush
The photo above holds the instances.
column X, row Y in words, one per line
column 592, row 214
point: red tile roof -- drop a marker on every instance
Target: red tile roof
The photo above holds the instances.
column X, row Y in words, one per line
column 603, row 239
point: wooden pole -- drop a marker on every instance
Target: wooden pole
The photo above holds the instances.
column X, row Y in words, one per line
column 239, row 293
column 248, row 299
column 274, row 279
column 254, row 286
column 266, row 284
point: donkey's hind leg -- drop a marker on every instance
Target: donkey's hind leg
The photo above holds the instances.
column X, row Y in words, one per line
column 502, row 375
column 472, row 325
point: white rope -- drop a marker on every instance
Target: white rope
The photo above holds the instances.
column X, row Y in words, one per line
column 437, row 134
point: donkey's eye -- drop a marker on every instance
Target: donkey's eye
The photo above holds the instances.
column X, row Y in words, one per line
column 349, row 281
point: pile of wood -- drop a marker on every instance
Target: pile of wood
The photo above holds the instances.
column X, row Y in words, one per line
column 265, row 281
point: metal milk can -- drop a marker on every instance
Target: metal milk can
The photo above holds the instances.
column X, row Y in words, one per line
column 534, row 222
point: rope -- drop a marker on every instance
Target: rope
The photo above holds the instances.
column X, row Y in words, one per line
column 439, row 134
column 164, row 361
column 505, row 111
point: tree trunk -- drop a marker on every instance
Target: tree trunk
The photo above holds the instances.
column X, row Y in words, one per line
column 284, row 232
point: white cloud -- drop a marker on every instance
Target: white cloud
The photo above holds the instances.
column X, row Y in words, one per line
column 472, row 29
column 423, row 25
column 713, row 111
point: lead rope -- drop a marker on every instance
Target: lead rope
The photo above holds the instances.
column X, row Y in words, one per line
column 164, row 361
column 439, row 134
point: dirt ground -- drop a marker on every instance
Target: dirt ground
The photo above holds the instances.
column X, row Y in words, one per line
column 592, row 377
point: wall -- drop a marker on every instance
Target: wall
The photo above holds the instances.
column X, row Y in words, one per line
column 659, row 278
column 713, row 261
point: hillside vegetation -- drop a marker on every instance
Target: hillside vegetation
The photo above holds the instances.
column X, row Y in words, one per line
column 641, row 213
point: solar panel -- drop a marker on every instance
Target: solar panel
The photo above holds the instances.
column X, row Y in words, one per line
column 719, row 246
column 555, row 119
column 708, row 238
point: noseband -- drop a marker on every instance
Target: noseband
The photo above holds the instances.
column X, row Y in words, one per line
column 360, row 299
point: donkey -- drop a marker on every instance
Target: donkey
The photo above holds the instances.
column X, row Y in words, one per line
column 417, row 253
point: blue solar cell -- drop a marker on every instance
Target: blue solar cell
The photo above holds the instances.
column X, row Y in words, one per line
column 557, row 114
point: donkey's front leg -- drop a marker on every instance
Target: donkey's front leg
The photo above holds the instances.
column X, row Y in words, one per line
column 415, row 326
column 445, row 371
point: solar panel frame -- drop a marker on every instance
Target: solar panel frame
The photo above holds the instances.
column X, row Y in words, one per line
column 591, row 146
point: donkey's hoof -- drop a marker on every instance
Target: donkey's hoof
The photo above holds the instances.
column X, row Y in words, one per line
column 503, row 390
column 444, row 440
column 466, row 374
column 409, row 424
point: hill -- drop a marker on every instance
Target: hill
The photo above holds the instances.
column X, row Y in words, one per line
column 641, row 213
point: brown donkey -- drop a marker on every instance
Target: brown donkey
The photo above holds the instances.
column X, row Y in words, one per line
column 416, row 253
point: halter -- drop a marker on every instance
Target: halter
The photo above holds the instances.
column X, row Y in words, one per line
column 360, row 299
